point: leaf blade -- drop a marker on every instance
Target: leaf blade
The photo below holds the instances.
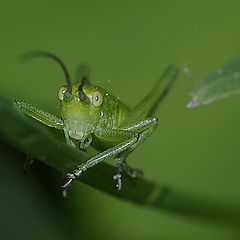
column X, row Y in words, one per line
column 27, row 136
column 222, row 83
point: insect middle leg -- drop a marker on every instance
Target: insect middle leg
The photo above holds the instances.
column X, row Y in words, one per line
column 102, row 156
column 128, row 137
column 120, row 160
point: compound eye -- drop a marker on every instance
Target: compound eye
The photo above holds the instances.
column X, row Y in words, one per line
column 97, row 99
column 61, row 93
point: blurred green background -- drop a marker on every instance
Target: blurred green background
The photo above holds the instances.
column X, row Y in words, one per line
column 127, row 44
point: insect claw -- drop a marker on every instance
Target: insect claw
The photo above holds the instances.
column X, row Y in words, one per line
column 118, row 177
column 69, row 179
column 65, row 193
column 67, row 183
column 27, row 164
column 135, row 173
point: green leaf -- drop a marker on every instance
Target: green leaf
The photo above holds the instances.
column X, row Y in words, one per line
column 222, row 83
column 31, row 138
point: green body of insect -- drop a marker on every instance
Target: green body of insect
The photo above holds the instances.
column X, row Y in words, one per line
column 90, row 115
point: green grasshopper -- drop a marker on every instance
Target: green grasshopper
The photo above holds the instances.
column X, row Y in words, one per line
column 91, row 115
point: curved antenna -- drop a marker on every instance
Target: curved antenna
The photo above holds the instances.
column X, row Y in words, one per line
column 83, row 73
column 68, row 92
column 83, row 97
column 83, row 70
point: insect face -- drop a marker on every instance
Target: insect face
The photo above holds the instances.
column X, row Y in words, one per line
column 82, row 111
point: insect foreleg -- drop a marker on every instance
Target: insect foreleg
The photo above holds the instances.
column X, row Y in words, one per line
column 36, row 113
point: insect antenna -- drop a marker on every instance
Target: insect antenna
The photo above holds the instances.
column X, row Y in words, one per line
column 83, row 70
column 29, row 55
column 83, row 97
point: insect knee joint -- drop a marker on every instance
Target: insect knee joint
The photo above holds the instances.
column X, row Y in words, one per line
column 137, row 136
column 155, row 120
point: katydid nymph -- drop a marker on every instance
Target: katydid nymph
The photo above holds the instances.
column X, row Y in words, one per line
column 91, row 115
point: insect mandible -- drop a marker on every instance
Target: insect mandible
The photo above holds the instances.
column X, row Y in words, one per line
column 91, row 115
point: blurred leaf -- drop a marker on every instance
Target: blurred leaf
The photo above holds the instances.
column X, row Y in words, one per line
column 222, row 83
column 37, row 141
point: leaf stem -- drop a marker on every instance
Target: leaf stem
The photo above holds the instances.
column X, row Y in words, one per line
column 29, row 137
